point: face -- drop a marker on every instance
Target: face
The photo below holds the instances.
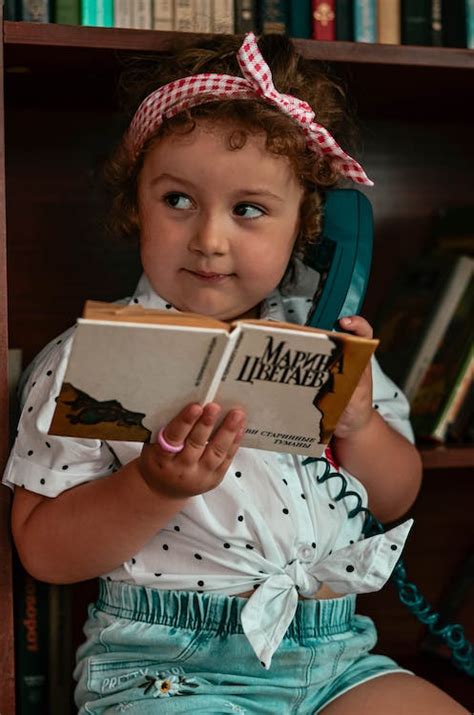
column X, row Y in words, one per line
column 217, row 226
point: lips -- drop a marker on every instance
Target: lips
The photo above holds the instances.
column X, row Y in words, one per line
column 208, row 276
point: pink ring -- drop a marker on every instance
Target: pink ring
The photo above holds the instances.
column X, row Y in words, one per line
column 166, row 446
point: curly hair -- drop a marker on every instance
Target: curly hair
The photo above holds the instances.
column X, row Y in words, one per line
column 292, row 74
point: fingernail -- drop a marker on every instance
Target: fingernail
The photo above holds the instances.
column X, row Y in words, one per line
column 237, row 419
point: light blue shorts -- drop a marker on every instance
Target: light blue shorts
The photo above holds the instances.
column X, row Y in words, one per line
column 150, row 651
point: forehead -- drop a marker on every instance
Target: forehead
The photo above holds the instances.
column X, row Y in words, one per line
column 218, row 147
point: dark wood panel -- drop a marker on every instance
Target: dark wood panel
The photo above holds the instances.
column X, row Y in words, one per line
column 7, row 668
column 441, row 539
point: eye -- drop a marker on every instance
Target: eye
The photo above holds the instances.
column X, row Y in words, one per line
column 178, row 201
column 248, row 211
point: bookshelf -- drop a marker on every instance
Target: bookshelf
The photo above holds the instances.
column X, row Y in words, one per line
column 61, row 118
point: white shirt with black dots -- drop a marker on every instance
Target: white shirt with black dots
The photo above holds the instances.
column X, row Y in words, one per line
column 271, row 525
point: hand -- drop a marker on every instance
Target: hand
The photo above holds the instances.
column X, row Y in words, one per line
column 203, row 462
column 359, row 409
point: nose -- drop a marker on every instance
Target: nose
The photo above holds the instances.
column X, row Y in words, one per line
column 209, row 236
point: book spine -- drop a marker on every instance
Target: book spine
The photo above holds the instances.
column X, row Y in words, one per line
column 388, row 22
column 454, row 23
column 245, row 16
column 11, row 10
column 324, row 26
column 67, row 12
column 273, row 16
column 222, row 12
column 35, row 10
column 416, row 22
column 89, row 13
column 163, row 15
column 365, row 20
column 123, row 13
column 202, row 16
column 434, row 334
column 105, row 13
column 436, row 23
column 61, row 651
column 456, row 399
column 470, row 24
column 299, row 18
column 142, row 14
column 344, row 20
column 183, row 16
column 31, row 628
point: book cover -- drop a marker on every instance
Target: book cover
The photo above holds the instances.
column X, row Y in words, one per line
column 365, row 20
column 324, row 26
column 344, row 20
column 35, row 10
column 299, row 18
column 67, row 12
column 416, row 22
column 293, row 381
column 388, row 22
column 31, row 638
column 448, row 369
column 412, row 322
column 163, row 15
column 274, row 16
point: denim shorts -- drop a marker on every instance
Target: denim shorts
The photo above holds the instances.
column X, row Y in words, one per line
column 151, row 651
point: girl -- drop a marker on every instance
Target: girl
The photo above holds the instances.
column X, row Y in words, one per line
column 228, row 576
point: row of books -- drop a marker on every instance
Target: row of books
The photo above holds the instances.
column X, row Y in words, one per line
column 426, row 332
column 447, row 23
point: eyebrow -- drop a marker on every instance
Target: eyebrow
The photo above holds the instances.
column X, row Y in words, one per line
column 245, row 192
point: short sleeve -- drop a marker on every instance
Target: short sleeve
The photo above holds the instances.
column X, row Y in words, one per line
column 390, row 401
column 44, row 463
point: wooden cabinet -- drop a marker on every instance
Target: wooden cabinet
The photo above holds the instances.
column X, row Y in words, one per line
column 61, row 119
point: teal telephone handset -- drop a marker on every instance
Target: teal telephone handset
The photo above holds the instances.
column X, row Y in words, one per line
column 342, row 258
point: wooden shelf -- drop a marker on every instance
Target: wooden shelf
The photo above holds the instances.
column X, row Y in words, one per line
column 448, row 457
column 28, row 33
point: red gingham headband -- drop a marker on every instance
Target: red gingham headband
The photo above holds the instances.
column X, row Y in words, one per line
column 172, row 98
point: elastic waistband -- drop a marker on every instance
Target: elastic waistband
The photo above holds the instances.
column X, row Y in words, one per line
column 216, row 612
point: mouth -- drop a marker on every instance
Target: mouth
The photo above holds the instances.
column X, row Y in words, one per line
column 208, row 277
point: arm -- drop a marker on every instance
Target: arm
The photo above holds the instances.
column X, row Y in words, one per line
column 386, row 463
column 93, row 528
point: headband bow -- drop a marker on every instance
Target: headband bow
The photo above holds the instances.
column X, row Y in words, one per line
column 172, row 98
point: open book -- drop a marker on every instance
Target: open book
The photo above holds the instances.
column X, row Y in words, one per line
column 132, row 369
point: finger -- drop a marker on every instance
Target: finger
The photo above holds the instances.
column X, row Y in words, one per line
column 199, row 435
column 222, row 442
column 358, row 325
column 176, row 431
column 225, row 464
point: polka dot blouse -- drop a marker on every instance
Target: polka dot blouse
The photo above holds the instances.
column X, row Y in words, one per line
column 269, row 527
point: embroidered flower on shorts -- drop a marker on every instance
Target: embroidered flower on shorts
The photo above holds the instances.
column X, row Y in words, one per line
column 166, row 686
